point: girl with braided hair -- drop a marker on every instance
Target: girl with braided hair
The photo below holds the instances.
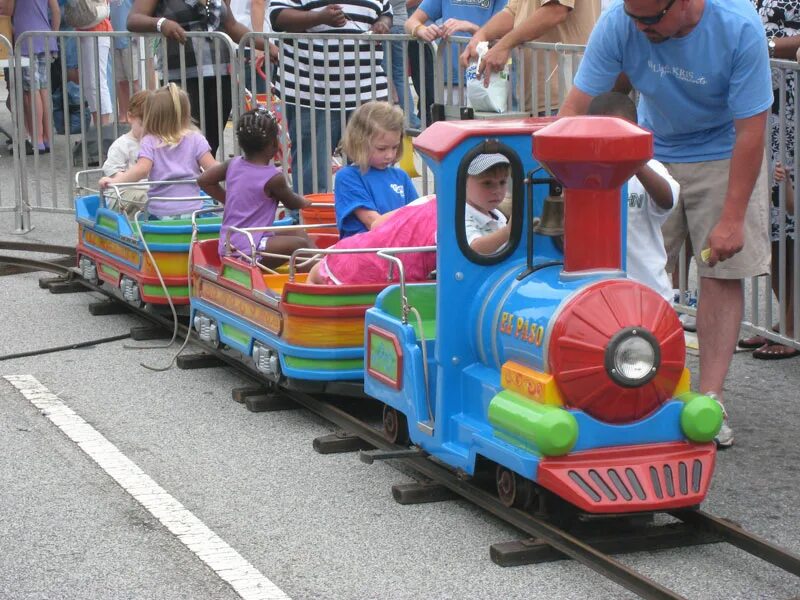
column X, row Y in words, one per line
column 171, row 149
column 253, row 188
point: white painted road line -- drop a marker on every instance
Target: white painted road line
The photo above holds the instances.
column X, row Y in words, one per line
column 228, row 564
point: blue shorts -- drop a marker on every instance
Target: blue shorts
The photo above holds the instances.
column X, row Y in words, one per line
column 39, row 69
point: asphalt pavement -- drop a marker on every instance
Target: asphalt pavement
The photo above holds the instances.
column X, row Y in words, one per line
column 316, row 526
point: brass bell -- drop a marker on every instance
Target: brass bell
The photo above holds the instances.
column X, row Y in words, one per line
column 552, row 222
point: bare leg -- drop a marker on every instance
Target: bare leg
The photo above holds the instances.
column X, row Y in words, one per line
column 719, row 314
column 28, row 113
column 42, row 113
column 123, row 95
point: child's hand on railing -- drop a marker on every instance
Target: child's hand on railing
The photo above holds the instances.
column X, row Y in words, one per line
column 104, row 182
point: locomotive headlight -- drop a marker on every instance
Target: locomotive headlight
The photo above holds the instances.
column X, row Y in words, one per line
column 632, row 357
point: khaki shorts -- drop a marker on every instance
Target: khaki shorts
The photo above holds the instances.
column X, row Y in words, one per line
column 124, row 63
column 703, row 189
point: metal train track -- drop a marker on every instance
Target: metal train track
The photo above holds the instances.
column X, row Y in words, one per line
column 564, row 542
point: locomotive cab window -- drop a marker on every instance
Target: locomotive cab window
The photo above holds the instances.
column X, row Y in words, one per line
column 489, row 203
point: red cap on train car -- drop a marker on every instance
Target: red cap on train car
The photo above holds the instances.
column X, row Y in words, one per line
column 592, row 157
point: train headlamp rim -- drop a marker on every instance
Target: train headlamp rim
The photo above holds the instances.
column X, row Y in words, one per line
column 611, row 351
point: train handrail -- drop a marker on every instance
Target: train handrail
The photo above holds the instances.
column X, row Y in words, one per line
column 228, row 249
column 403, row 250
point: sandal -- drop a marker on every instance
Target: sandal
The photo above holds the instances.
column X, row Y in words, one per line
column 757, row 341
column 772, row 351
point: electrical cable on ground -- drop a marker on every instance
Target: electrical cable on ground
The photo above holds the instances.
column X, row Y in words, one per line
column 97, row 342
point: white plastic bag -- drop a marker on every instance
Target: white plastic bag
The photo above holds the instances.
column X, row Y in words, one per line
column 486, row 99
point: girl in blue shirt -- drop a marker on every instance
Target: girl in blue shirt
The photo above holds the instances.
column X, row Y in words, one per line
column 371, row 185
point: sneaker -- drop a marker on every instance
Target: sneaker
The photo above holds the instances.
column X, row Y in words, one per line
column 724, row 438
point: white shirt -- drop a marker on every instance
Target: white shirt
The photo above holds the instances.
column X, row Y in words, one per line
column 646, row 256
column 122, row 155
column 242, row 9
column 478, row 224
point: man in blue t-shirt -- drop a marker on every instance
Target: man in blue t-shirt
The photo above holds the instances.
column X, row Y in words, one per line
column 702, row 71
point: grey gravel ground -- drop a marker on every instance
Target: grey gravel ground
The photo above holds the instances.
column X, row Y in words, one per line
column 317, row 526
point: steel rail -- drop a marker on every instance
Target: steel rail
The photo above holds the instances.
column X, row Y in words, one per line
column 744, row 540
column 38, row 247
column 38, row 265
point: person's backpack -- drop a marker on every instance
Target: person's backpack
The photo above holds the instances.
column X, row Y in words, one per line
column 74, row 106
column 85, row 14
column 96, row 155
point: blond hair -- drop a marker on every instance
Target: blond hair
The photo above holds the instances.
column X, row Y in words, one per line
column 137, row 103
column 368, row 120
column 168, row 114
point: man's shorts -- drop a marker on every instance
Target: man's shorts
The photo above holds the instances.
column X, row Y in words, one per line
column 40, row 69
column 125, row 60
column 703, row 189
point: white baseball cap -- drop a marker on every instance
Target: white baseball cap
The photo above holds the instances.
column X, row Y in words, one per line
column 483, row 162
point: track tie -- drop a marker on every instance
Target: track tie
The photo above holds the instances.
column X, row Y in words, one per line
column 339, row 443
column 67, row 287
column 144, row 332
column 370, row 456
column 241, row 394
column 108, row 307
column 421, row 493
column 198, row 361
column 646, row 539
column 269, row 402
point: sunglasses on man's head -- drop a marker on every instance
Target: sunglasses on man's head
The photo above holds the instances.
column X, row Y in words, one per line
column 651, row 19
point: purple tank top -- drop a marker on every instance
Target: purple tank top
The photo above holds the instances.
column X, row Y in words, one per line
column 246, row 204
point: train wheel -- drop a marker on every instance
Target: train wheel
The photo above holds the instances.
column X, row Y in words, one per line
column 395, row 426
column 513, row 490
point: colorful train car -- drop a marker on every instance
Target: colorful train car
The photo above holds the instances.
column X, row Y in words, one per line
column 130, row 255
column 288, row 329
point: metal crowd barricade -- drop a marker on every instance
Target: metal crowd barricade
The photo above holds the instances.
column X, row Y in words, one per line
column 540, row 75
column 10, row 194
column 773, row 309
column 44, row 180
column 327, row 122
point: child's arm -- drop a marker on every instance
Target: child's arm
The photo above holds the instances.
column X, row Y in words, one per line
column 782, row 175
column 209, row 181
column 368, row 217
column 278, row 188
column 657, row 187
column 207, row 161
column 491, row 242
column 141, row 170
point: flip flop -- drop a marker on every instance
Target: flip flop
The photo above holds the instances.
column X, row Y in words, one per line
column 757, row 341
column 775, row 352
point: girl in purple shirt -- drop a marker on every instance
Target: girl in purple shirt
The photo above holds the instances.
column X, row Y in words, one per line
column 172, row 149
column 253, row 189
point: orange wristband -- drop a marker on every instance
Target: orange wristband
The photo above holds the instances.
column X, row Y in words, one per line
column 416, row 29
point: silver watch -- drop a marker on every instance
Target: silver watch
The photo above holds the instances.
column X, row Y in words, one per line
column 771, row 47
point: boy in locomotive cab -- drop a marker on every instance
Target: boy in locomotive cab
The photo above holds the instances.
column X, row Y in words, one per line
column 487, row 229
column 652, row 193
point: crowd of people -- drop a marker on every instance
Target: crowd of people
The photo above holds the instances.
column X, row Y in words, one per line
column 708, row 100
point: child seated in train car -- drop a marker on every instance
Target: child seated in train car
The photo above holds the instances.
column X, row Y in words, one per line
column 415, row 225
column 371, row 186
column 253, row 188
column 652, row 193
column 124, row 153
column 172, row 149
column 408, row 226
